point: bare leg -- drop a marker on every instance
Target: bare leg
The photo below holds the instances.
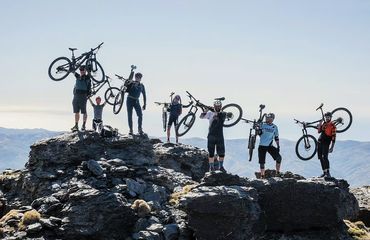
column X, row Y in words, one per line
column 168, row 134
column 77, row 118
column 262, row 173
column 278, row 167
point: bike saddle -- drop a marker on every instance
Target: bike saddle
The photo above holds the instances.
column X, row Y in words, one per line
column 220, row 99
column 72, row 49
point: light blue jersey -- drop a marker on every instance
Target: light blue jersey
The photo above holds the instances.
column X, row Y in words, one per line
column 269, row 133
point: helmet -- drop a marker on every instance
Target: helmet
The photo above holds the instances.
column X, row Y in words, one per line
column 138, row 75
column 177, row 98
column 328, row 114
column 217, row 103
column 270, row 115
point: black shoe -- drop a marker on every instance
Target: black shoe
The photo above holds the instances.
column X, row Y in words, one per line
column 222, row 169
column 323, row 175
column 130, row 132
column 75, row 128
column 328, row 175
column 83, row 128
column 141, row 132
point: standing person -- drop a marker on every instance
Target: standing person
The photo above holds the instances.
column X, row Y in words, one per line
column 98, row 112
column 215, row 138
column 175, row 112
column 81, row 90
column 134, row 90
column 327, row 132
column 268, row 133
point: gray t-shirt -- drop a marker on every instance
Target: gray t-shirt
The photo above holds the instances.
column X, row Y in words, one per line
column 98, row 111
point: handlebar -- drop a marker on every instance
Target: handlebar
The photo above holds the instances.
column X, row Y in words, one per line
column 120, row 77
column 160, row 103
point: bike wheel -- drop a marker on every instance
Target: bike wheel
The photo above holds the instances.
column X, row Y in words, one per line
column 344, row 116
column 110, row 95
column 306, row 147
column 234, row 114
column 164, row 120
column 60, row 68
column 96, row 70
column 185, row 124
column 118, row 102
column 251, row 145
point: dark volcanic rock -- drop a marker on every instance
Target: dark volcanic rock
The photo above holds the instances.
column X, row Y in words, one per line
column 68, row 148
column 222, row 212
column 362, row 195
column 297, row 205
column 93, row 214
column 187, row 159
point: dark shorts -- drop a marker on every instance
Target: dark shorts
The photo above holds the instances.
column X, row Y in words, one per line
column 172, row 120
column 217, row 144
column 79, row 103
column 273, row 151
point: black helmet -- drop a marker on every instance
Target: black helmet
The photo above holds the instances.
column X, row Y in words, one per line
column 138, row 75
column 270, row 115
column 328, row 114
column 217, row 103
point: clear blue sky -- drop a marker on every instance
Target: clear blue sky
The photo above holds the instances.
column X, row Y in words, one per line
column 289, row 55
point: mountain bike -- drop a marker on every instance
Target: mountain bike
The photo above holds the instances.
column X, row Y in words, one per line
column 109, row 94
column 165, row 109
column 61, row 67
column 233, row 116
column 120, row 97
column 253, row 131
column 306, row 146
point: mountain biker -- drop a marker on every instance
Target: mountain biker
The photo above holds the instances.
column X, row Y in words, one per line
column 327, row 132
column 134, row 89
column 215, row 138
column 268, row 133
column 175, row 110
column 81, row 90
column 98, row 112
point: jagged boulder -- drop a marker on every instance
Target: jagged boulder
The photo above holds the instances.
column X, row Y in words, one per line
column 297, row 205
column 73, row 148
column 362, row 195
column 93, row 214
column 191, row 161
column 222, row 212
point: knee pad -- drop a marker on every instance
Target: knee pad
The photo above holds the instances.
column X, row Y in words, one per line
column 221, row 155
column 262, row 166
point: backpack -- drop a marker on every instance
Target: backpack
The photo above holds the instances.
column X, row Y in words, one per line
column 107, row 131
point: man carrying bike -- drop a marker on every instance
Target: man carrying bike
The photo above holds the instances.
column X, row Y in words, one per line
column 81, row 90
column 175, row 110
column 268, row 133
column 98, row 112
column 327, row 132
column 215, row 138
column 134, row 90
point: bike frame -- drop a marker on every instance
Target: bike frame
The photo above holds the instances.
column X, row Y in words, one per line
column 98, row 86
column 77, row 62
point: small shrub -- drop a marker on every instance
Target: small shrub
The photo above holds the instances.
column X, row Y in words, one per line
column 175, row 197
column 28, row 218
column 141, row 207
column 357, row 230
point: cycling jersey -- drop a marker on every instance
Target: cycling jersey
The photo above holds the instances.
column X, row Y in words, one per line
column 269, row 133
column 328, row 131
column 175, row 109
column 216, row 123
column 83, row 84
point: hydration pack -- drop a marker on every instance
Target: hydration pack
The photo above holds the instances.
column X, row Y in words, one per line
column 108, row 131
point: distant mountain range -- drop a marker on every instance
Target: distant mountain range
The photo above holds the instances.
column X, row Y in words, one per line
column 350, row 159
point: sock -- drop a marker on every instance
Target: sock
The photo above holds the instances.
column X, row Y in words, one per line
column 211, row 166
column 221, row 164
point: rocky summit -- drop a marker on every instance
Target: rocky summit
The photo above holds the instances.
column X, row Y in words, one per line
column 82, row 186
